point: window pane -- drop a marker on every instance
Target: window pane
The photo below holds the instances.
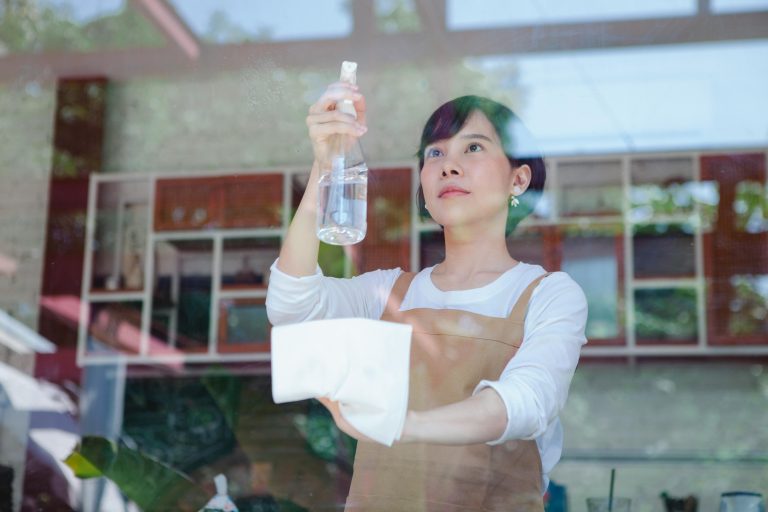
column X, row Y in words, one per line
column 119, row 245
column 663, row 250
column 181, row 298
column 495, row 13
column 590, row 188
column 246, row 261
column 593, row 257
column 666, row 315
column 661, row 187
column 115, row 327
column 233, row 21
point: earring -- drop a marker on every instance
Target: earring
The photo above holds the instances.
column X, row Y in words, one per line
column 514, row 202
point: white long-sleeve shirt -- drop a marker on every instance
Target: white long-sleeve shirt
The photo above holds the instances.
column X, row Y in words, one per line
column 533, row 385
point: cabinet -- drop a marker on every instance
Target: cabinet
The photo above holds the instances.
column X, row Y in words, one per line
column 671, row 250
column 736, row 250
column 223, row 202
column 178, row 267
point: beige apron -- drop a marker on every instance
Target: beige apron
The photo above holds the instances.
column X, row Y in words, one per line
column 451, row 352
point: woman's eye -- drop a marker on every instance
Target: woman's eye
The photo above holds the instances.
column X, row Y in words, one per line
column 433, row 152
column 474, row 147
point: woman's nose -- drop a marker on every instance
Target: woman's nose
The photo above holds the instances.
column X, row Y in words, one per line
column 451, row 169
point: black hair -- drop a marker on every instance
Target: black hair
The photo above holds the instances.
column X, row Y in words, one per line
column 450, row 118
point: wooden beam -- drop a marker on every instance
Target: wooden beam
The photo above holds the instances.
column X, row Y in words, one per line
column 165, row 18
column 386, row 50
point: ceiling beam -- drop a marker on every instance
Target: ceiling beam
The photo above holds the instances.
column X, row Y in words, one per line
column 168, row 22
column 385, row 50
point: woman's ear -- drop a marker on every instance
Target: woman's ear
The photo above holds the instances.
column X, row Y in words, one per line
column 521, row 179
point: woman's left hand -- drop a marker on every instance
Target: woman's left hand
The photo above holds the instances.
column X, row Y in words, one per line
column 341, row 422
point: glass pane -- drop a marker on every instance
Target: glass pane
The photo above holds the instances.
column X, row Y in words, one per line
column 750, row 207
column 243, row 326
column 528, row 244
column 234, row 21
column 735, row 255
column 748, row 306
column 119, row 244
column 738, row 5
column 661, row 186
column 593, row 257
column 432, row 248
column 252, row 201
column 115, row 327
column 590, row 188
column 666, row 315
column 75, row 25
column 245, row 262
column 495, row 13
column 394, row 16
column 663, row 250
column 181, row 299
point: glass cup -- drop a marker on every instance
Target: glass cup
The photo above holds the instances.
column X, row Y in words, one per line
column 741, row 502
column 601, row 504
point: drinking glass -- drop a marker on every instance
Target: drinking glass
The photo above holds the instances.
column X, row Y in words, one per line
column 741, row 501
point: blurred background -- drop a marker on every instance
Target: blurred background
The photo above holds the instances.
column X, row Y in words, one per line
column 152, row 153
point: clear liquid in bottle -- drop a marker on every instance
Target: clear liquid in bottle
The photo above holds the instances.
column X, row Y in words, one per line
column 342, row 206
column 342, row 199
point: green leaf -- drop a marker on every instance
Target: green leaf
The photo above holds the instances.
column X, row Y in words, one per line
column 81, row 466
column 151, row 484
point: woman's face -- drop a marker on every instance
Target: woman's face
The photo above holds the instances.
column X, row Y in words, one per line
column 467, row 179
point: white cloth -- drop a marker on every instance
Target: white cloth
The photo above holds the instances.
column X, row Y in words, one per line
column 533, row 385
column 361, row 363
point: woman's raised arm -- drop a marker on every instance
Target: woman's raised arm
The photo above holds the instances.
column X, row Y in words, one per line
column 298, row 255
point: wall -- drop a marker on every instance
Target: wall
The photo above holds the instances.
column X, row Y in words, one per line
column 255, row 118
column 687, row 428
column 26, row 125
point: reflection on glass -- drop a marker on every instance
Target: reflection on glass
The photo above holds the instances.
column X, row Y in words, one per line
column 394, row 16
column 661, row 186
column 666, row 315
column 75, row 25
column 243, row 326
column 590, row 188
column 245, row 262
column 494, row 13
column 432, row 247
column 707, row 195
column 529, row 244
column 592, row 257
column 115, row 327
column 182, row 422
column 119, row 243
column 750, row 207
column 663, row 250
column 738, row 5
column 749, row 305
column 181, row 299
column 234, row 22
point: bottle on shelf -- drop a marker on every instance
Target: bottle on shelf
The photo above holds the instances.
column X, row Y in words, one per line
column 343, row 185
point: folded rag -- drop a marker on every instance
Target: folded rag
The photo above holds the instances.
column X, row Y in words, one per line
column 362, row 364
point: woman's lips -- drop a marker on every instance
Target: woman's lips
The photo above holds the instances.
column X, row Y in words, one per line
column 452, row 191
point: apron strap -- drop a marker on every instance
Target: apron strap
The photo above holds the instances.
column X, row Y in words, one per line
column 397, row 294
column 521, row 306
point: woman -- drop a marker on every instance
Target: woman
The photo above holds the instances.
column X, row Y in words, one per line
column 496, row 341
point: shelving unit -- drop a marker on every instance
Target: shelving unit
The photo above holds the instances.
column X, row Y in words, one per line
column 641, row 234
column 597, row 221
column 204, row 262
column 206, row 242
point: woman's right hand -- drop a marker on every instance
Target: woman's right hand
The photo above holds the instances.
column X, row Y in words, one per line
column 324, row 120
